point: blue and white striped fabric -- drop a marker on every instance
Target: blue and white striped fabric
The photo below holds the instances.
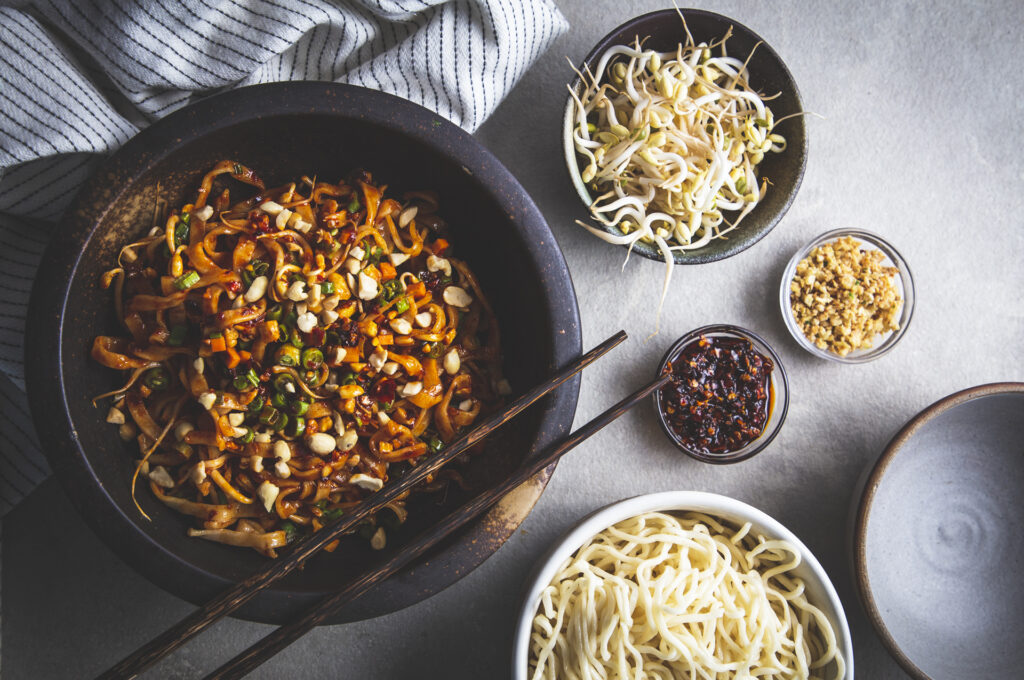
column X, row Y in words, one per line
column 78, row 78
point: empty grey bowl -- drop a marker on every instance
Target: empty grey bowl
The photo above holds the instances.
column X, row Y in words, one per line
column 939, row 538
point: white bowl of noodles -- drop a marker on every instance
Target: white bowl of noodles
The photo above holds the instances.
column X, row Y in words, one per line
column 693, row 576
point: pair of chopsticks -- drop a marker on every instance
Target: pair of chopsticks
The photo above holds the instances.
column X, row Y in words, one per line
column 236, row 596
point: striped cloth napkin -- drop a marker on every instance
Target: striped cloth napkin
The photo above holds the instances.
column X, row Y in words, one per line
column 78, row 78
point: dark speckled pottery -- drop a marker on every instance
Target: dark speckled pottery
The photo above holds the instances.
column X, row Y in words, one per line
column 663, row 31
column 285, row 130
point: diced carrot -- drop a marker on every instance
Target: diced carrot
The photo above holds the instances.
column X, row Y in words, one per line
column 439, row 246
column 385, row 339
column 417, row 289
column 218, row 344
column 233, row 357
column 246, row 356
column 387, row 271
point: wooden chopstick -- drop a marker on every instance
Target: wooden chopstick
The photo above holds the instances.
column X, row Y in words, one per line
column 270, row 645
column 240, row 593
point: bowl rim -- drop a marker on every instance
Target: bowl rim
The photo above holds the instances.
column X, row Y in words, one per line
column 762, row 441
column 569, row 152
column 714, row 504
column 45, row 328
column 904, row 273
column 874, row 480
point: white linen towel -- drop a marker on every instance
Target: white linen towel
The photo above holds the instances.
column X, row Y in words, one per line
column 78, row 78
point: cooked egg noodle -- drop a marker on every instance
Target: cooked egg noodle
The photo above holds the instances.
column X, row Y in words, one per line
column 667, row 596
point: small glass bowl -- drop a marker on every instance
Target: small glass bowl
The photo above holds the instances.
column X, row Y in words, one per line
column 779, row 391
column 904, row 282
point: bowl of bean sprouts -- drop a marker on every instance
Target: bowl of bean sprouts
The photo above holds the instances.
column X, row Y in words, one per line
column 684, row 137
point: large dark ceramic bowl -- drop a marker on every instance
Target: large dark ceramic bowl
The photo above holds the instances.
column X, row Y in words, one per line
column 663, row 31
column 284, row 131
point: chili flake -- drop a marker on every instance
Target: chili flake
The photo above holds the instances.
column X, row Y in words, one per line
column 719, row 397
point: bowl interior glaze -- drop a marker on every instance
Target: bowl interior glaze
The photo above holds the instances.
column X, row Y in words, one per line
column 662, row 30
column 940, row 537
column 284, row 131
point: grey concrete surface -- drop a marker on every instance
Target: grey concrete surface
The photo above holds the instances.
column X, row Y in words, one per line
column 919, row 142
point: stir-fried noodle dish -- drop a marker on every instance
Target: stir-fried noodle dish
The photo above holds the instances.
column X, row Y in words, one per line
column 289, row 353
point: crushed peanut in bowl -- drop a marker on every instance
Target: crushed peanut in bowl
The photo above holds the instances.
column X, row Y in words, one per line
column 843, row 296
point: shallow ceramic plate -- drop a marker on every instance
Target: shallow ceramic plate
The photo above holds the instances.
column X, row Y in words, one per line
column 819, row 589
column 939, row 539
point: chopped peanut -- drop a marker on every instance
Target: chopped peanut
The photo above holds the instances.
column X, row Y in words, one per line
column 843, row 296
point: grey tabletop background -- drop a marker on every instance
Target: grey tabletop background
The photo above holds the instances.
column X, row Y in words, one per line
column 919, row 142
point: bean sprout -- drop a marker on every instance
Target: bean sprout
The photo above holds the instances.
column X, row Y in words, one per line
column 669, row 142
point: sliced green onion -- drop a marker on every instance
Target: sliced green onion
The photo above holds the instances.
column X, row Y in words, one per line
column 327, row 288
column 290, row 531
column 186, row 280
column 274, row 313
column 312, row 358
column 270, row 416
column 155, row 379
column 349, row 379
column 435, row 444
column 299, row 407
column 332, row 514
column 256, row 404
column 354, row 205
column 402, row 305
column 282, row 383
column 279, row 400
column 295, row 428
column 288, row 355
column 249, row 435
column 391, row 289
column 177, row 336
column 181, row 231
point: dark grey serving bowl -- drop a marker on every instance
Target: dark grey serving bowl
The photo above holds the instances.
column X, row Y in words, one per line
column 663, row 31
column 285, row 130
